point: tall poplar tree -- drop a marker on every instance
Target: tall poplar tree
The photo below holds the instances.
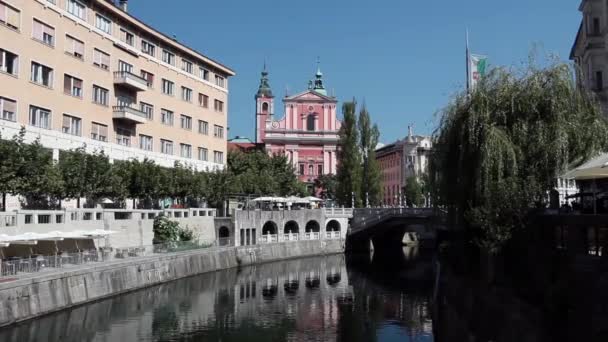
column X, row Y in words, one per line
column 349, row 158
column 371, row 188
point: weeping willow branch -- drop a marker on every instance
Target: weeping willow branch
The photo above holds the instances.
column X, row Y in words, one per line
column 500, row 148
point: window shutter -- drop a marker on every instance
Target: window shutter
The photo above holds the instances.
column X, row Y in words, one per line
column 96, row 56
column 79, row 47
column 103, row 130
column 95, row 128
column 48, row 30
column 67, row 84
column 66, row 122
column 2, row 12
column 13, row 17
column 105, row 59
column 38, row 29
column 78, row 83
column 10, row 106
column 70, row 44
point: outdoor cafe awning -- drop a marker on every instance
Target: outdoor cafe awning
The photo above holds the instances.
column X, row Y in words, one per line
column 594, row 169
column 30, row 238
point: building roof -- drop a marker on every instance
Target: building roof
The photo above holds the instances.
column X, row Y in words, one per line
column 240, row 140
column 111, row 7
column 576, row 41
column 264, row 89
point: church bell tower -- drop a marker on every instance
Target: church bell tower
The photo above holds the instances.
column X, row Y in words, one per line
column 264, row 101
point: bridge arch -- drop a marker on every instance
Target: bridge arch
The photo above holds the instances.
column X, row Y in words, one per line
column 269, row 228
column 291, row 227
column 333, row 226
column 313, row 227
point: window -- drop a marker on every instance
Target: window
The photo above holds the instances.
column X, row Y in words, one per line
column 40, row 117
column 218, row 157
column 311, row 170
column 125, row 67
column 100, row 95
column 187, row 94
column 74, row 47
column 599, row 81
column 101, row 59
column 76, row 8
column 148, row 76
column 72, row 85
column 220, row 81
column 204, row 74
column 596, row 26
column 8, row 109
column 319, row 170
column 203, row 100
column 166, row 146
column 127, row 37
column 148, row 48
column 145, row 142
column 218, row 131
column 103, row 23
column 71, row 125
column 185, row 150
column 99, row 131
column 203, row 127
column 9, row 62
column 310, row 122
column 166, row 117
column 148, row 109
column 123, row 136
column 187, row 66
column 42, row 75
column 203, row 154
column 9, row 16
column 302, row 169
column 168, row 87
column 186, row 122
column 44, row 33
column 168, row 57
column 218, row 106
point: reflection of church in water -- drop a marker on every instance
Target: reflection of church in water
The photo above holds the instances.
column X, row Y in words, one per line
column 307, row 133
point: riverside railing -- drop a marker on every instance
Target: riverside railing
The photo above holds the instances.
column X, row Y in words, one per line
column 38, row 263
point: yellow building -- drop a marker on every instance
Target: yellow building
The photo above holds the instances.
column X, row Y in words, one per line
column 76, row 72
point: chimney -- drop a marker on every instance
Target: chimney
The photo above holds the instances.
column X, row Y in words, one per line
column 123, row 4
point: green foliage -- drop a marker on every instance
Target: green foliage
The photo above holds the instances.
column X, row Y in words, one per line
column 166, row 230
column 500, row 148
column 371, row 182
column 328, row 183
column 413, row 192
column 349, row 158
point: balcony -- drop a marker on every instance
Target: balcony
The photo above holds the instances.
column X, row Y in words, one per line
column 131, row 81
column 129, row 114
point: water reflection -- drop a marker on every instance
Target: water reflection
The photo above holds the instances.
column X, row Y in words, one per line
column 341, row 300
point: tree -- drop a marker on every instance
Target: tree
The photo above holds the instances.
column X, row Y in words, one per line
column 328, row 183
column 72, row 167
column 349, row 158
column 499, row 149
column 371, row 184
column 36, row 175
column 9, row 165
column 413, row 192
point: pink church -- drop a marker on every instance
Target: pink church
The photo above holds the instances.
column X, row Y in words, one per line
column 307, row 132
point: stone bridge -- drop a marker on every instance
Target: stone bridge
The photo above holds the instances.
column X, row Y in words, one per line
column 383, row 229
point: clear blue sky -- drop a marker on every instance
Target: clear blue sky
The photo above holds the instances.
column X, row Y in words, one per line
column 404, row 58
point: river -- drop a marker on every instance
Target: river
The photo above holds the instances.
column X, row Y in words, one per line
column 329, row 298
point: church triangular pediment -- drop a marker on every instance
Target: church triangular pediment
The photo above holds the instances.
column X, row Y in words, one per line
column 309, row 95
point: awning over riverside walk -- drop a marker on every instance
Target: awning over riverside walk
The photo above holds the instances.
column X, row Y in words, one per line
column 594, row 169
column 32, row 238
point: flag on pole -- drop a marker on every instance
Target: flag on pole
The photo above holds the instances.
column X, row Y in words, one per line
column 477, row 69
column 476, row 66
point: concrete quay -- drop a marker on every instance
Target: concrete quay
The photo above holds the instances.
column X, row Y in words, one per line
column 48, row 292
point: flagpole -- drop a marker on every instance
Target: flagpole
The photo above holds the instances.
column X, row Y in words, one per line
column 468, row 62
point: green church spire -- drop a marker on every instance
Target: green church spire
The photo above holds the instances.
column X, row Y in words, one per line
column 319, row 88
column 264, row 89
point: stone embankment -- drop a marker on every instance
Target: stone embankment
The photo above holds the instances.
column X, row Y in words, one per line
column 44, row 293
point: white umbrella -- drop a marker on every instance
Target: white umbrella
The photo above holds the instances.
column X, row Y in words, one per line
column 313, row 199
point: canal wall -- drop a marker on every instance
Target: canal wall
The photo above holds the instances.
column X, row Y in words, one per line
column 25, row 299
